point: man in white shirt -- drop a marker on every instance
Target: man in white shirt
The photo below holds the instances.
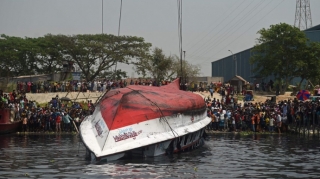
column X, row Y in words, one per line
column 99, row 86
column 225, row 119
column 271, row 123
column 217, row 120
column 279, row 122
column 79, row 85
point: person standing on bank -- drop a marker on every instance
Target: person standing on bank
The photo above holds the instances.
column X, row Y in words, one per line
column 24, row 123
column 279, row 123
column 58, row 122
column 271, row 123
column 66, row 120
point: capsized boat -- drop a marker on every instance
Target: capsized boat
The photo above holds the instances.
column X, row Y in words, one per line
column 144, row 121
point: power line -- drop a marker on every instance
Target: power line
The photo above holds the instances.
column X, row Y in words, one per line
column 232, row 11
column 226, row 35
column 249, row 28
column 231, row 29
column 222, row 29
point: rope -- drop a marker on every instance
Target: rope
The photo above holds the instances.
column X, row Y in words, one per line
column 162, row 117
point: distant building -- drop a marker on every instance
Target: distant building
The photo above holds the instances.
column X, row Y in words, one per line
column 226, row 67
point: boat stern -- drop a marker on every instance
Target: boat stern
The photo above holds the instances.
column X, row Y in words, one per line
column 94, row 132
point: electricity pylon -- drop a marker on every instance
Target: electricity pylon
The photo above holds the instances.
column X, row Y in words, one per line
column 303, row 15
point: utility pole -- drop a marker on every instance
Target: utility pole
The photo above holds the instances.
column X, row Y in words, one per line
column 102, row 15
column 303, row 15
column 185, row 73
column 180, row 38
column 115, row 68
column 235, row 61
column 100, row 60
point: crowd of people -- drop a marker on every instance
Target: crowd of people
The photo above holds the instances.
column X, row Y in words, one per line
column 261, row 116
column 67, row 86
column 55, row 116
column 227, row 113
column 82, row 86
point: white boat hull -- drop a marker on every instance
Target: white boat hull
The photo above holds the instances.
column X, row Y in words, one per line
column 147, row 139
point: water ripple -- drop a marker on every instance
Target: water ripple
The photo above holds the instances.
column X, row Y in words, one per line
column 223, row 156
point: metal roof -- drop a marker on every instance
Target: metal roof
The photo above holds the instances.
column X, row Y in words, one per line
column 317, row 27
column 238, row 78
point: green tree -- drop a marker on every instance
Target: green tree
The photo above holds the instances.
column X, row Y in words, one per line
column 17, row 56
column 156, row 65
column 96, row 54
column 49, row 54
column 278, row 52
column 189, row 71
column 161, row 67
column 8, row 55
column 311, row 64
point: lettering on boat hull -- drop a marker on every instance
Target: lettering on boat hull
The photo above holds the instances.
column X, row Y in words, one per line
column 126, row 135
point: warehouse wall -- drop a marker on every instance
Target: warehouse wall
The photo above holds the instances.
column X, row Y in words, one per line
column 225, row 67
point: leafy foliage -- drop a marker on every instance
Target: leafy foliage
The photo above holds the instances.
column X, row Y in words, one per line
column 189, row 71
column 161, row 67
column 93, row 54
column 156, row 65
column 96, row 54
column 17, row 56
column 283, row 51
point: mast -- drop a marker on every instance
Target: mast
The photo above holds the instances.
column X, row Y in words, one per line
column 115, row 69
column 179, row 3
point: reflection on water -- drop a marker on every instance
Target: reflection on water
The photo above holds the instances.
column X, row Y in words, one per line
column 223, row 156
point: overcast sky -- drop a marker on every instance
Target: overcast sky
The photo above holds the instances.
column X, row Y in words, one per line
column 210, row 27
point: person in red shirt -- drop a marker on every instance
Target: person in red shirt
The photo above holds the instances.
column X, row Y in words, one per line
column 58, row 123
column 253, row 122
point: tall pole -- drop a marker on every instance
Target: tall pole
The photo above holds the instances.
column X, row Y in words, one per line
column 120, row 18
column 100, row 61
column 179, row 3
column 115, row 69
column 102, row 16
column 185, row 74
column 235, row 60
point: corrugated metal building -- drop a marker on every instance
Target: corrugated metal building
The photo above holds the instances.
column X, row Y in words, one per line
column 239, row 64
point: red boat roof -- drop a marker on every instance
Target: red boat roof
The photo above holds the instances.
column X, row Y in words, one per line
column 136, row 103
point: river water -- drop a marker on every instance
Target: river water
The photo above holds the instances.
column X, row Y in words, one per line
column 223, row 156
